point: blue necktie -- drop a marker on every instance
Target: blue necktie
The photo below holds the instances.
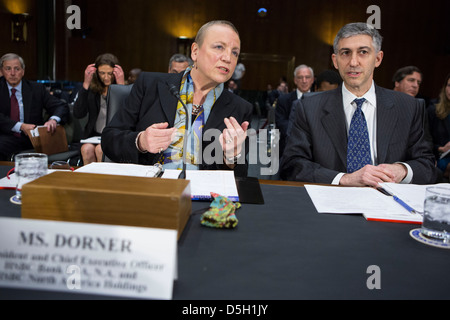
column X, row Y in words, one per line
column 358, row 148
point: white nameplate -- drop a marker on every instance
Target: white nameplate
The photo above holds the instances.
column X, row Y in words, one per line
column 87, row 258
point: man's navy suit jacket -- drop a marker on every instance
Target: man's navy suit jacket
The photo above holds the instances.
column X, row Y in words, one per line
column 317, row 147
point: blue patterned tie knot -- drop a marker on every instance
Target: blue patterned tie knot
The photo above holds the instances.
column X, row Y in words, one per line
column 358, row 148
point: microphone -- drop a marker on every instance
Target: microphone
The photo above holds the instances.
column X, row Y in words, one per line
column 174, row 91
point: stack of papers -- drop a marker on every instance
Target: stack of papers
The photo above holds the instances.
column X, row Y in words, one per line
column 121, row 169
column 203, row 182
column 411, row 194
column 369, row 202
column 93, row 140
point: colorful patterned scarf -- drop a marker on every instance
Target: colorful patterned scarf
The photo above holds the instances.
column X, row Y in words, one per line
column 173, row 156
column 221, row 213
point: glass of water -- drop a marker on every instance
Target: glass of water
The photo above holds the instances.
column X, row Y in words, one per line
column 28, row 167
column 436, row 219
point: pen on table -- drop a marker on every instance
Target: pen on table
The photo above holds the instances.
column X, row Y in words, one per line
column 397, row 199
column 404, row 205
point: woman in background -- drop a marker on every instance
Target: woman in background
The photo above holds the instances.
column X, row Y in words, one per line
column 92, row 100
column 439, row 116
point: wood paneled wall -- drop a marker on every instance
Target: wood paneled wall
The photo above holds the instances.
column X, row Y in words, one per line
column 27, row 50
column 144, row 34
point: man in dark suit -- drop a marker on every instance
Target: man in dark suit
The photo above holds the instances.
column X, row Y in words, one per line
column 408, row 80
column 22, row 103
column 393, row 148
column 303, row 79
column 143, row 130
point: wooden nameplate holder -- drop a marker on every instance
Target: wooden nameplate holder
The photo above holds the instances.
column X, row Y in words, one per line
column 108, row 199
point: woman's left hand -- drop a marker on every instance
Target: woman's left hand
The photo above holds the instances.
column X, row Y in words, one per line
column 119, row 75
column 232, row 137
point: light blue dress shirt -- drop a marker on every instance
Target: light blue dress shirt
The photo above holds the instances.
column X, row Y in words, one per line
column 19, row 97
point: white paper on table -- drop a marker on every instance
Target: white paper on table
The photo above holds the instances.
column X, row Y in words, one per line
column 203, row 182
column 369, row 202
column 121, row 169
column 11, row 183
column 411, row 194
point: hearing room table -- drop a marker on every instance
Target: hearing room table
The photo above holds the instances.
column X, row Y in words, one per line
column 286, row 250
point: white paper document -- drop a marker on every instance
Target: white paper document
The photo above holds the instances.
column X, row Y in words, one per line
column 121, row 169
column 10, row 182
column 93, row 140
column 411, row 194
column 369, row 202
column 35, row 132
column 203, row 182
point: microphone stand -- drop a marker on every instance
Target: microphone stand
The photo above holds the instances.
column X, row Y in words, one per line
column 173, row 90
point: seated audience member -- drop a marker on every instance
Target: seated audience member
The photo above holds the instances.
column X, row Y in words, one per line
column 408, row 80
column 273, row 95
column 303, row 79
column 133, row 75
column 232, row 86
column 358, row 134
column 439, row 115
column 22, row 103
column 150, row 128
column 178, row 63
column 238, row 74
column 328, row 80
column 92, row 101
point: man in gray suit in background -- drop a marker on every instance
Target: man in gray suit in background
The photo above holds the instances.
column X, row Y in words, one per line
column 394, row 137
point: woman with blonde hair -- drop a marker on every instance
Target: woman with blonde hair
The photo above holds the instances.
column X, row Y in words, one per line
column 154, row 127
column 439, row 116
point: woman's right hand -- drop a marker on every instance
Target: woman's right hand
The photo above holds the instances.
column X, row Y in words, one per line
column 156, row 138
column 88, row 74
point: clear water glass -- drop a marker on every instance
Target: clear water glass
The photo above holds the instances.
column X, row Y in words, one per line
column 436, row 220
column 29, row 167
